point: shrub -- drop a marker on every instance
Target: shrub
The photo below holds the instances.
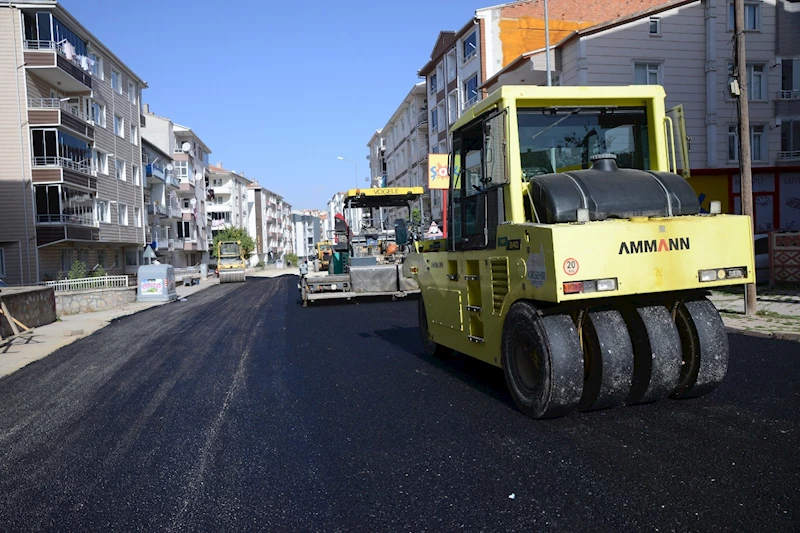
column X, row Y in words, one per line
column 78, row 270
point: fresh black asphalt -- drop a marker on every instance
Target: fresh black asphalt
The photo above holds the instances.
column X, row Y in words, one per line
column 239, row 410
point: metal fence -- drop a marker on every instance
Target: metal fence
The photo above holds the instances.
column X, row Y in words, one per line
column 82, row 284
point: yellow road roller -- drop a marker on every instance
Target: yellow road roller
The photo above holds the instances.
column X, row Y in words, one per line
column 231, row 262
column 576, row 258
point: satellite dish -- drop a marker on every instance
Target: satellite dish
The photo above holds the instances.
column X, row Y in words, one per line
column 193, row 201
column 186, row 146
column 169, row 167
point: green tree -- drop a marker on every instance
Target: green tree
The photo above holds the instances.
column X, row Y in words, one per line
column 235, row 234
column 78, row 270
column 416, row 216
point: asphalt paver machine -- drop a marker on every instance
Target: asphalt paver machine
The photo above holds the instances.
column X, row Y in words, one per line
column 368, row 253
column 577, row 259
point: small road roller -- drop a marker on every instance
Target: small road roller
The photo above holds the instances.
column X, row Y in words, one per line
column 231, row 262
column 576, row 258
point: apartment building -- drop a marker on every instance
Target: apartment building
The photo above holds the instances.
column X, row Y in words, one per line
column 686, row 47
column 190, row 233
column 269, row 222
column 307, row 233
column 462, row 60
column 227, row 199
column 161, row 201
column 336, row 206
column 70, row 172
column 399, row 151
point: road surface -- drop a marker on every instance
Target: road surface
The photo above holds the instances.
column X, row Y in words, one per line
column 239, row 410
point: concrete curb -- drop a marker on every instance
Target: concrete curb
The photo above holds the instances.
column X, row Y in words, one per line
column 765, row 334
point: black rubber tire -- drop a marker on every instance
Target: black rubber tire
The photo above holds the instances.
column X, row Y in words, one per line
column 608, row 361
column 542, row 362
column 657, row 355
column 704, row 343
column 431, row 348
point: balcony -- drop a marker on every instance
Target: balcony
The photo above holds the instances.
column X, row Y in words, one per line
column 55, row 169
column 48, row 60
column 157, row 210
column 187, row 186
column 221, row 190
column 54, row 112
column 422, row 118
column 171, row 180
column 60, row 227
column 789, row 155
column 154, row 170
column 472, row 101
column 791, row 94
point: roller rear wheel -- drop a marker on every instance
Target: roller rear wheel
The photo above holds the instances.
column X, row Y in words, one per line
column 704, row 344
column 542, row 362
column 657, row 353
column 608, row 360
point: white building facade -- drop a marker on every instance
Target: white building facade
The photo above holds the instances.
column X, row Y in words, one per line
column 226, row 199
column 686, row 47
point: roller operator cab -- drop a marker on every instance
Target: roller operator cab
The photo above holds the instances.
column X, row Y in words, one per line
column 576, row 259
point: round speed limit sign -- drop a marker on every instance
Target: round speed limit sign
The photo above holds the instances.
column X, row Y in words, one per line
column 571, row 267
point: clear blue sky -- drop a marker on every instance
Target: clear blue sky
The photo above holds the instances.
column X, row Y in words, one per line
column 277, row 89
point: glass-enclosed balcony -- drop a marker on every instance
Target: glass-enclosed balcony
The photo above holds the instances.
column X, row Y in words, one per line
column 56, row 53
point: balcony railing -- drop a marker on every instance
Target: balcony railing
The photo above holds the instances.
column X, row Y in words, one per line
column 172, row 180
column 790, row 94
column 422, row 117
column 154, row 170
column 82, row 284
column 60, row 219
column 789, row 155
column 469, row 103
column 156, row 209
column 79, row 67
column 469, row 56
column 161, row 234
column 55, row 103
column 62, row 162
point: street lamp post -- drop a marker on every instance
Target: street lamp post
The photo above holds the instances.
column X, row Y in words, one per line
column 354, row 164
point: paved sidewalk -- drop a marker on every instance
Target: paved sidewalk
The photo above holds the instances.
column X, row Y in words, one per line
column 45, row 340
column 778, row 314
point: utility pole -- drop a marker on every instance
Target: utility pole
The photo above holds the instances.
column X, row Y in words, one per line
column 745, row 172
column 547, row 46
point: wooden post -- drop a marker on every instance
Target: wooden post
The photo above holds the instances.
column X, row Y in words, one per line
column 745, row 171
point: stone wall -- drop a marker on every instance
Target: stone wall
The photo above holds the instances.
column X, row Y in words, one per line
column 33, row 306
column 75, row 302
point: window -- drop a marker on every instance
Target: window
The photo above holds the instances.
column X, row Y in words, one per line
column 655, row 26
column 119, row 126
column 122, row 215
column 470, row 91
column 452, row 106
column 131, row 93
column 137, row 216
column 790, row 78
column 450, row 61
column 647, row 73
column 83, row 256
column 97, row 66
column 433, row 84
column 756, row 82
column 116, row 81
column 101, row 258
column 66, row 259
column 790, row 140
column 434, row 120
column 102, row 208
column 98, row 114
column 752, row 16
column 758, row 143
column 120, row 166
column 137, row 175
column 134, row 132
column 182, row 170
column 2, row 262
column 469, row 47
column 99, row 162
